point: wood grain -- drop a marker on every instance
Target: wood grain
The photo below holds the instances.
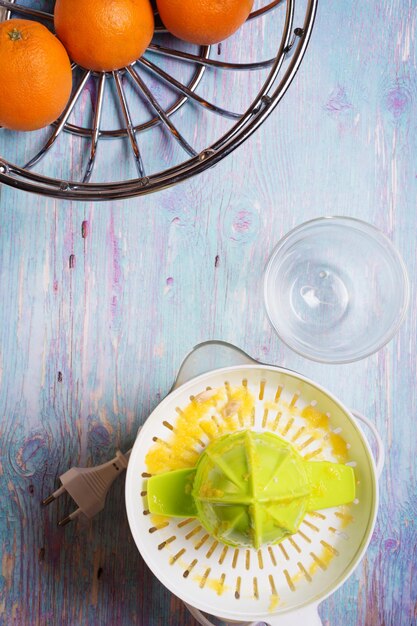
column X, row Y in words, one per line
column 99, row 303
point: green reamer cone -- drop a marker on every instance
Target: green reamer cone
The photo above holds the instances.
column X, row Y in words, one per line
column 250, row 489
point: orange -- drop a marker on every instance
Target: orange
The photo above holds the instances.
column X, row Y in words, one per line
column 203, row 21
column 104, row 35
column 35, row 76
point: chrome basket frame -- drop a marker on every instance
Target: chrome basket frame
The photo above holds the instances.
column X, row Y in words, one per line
column 292, row 47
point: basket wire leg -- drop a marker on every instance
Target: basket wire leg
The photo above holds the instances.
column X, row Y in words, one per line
column 96, row 126
column 160, row 111
column 18, row 8
column 186, row 91
column 60, row 126
column 129, row 126
column 194, row 58
column 263, row 10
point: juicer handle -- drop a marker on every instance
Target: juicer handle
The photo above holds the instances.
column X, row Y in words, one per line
column 380, row 448
column 210, row 355
column 308, row 615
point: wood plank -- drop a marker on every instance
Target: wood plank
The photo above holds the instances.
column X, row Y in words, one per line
column 88, row 348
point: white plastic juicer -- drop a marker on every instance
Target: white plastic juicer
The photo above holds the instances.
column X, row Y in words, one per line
column 282, row 584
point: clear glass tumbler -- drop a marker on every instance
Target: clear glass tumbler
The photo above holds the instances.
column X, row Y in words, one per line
column 336, row 290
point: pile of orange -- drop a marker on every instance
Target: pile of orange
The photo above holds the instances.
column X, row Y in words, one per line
column 99, row 35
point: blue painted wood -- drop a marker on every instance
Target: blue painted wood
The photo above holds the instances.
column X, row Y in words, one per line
column 94, row 327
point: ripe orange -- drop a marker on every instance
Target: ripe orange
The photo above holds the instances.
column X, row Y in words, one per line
column 104, row 35
column 203, row 21
column 35, row 76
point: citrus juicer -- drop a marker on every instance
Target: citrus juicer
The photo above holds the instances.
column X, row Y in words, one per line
column 250, row 489
column 281, row 584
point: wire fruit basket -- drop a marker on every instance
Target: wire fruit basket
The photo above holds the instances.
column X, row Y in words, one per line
column 150, row 99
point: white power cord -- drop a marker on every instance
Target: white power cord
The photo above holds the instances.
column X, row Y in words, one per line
column 88, row 486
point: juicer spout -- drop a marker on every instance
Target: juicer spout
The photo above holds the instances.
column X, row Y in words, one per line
column 170, row 494
column 332, row 484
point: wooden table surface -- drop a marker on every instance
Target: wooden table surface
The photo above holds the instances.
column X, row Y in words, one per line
column 90, row 345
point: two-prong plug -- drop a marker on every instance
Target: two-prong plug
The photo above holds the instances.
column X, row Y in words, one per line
column 88, row 486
